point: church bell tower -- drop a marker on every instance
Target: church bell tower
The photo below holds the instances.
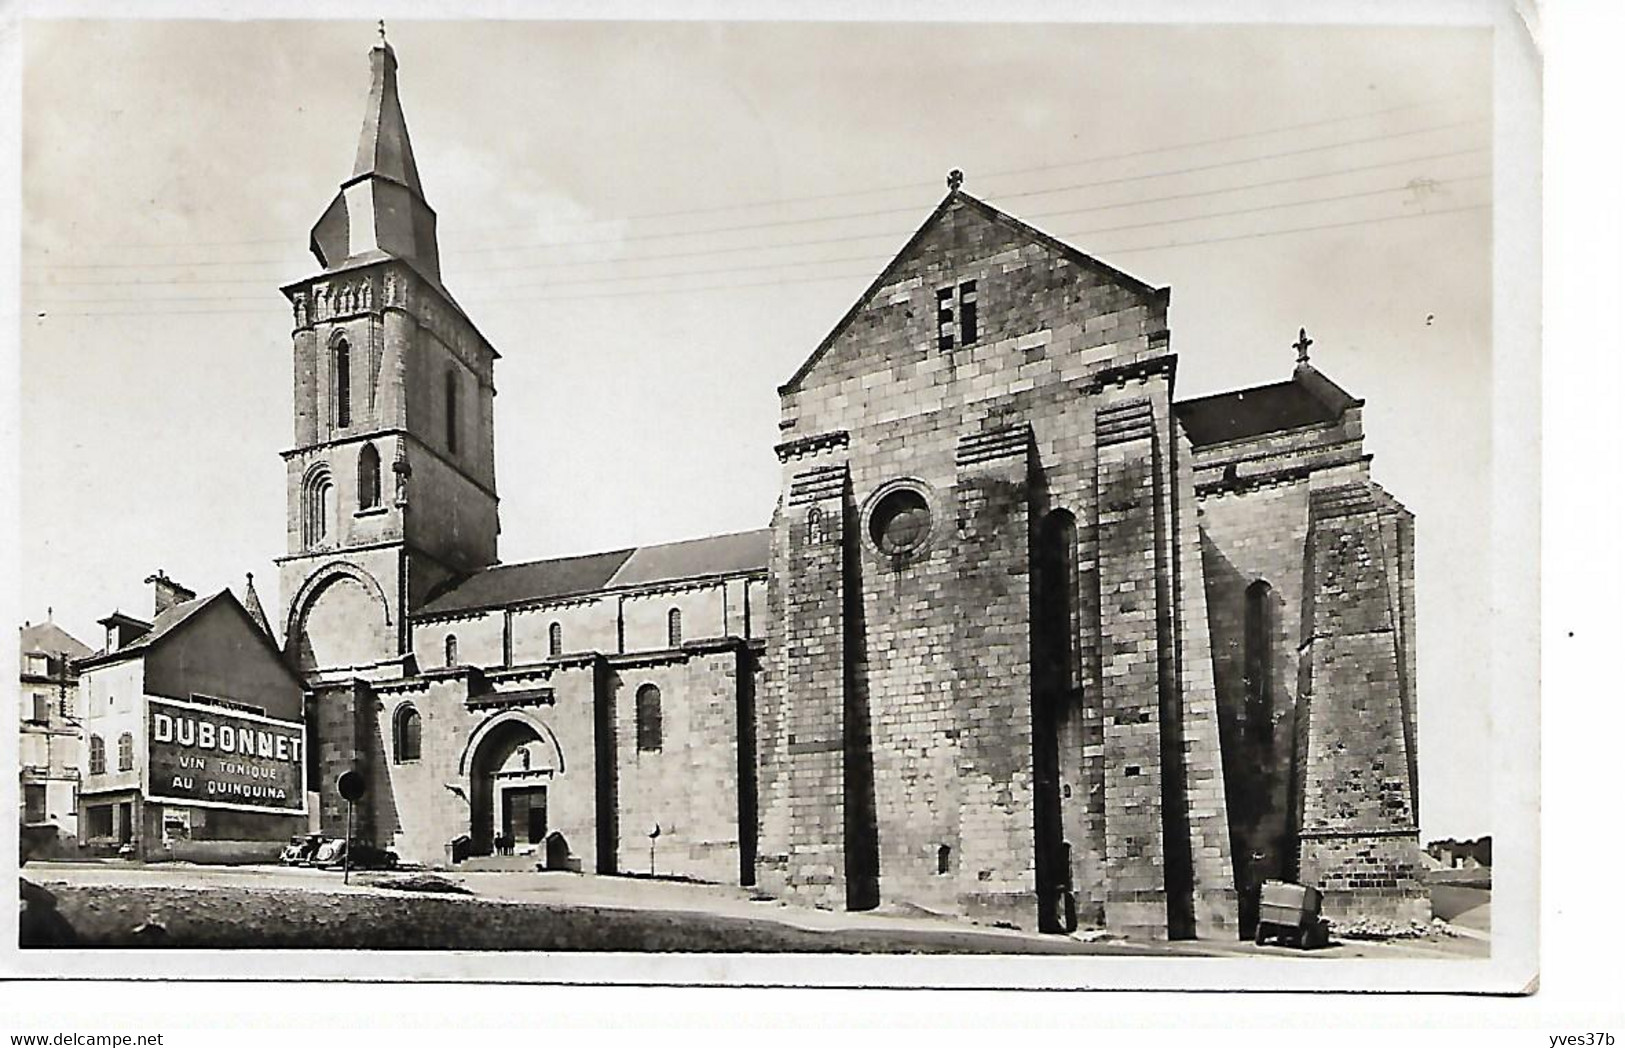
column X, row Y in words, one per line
column 391, row 480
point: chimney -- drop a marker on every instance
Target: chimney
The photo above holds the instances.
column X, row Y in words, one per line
column 166, row 592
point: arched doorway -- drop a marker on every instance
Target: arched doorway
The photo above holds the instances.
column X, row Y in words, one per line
column 511, row 766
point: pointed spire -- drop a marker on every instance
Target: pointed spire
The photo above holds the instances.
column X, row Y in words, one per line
column 256, row 611
column 385, row 149
column 380, row 210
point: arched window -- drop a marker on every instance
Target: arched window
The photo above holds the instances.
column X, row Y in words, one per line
column 555, row 640
column 126, row 752
column 369, row 478
column 674, row 628
column 451, row 411
column 815, row 526
column 944, row 853
column 1258, row 663
column 451, row 649
column 341, row 383
column 649, row 739
column 98, row 755
column 321, row 508
column 408, row 734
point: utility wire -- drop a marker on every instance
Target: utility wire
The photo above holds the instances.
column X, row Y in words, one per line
column 808, row 220
column 897, row 187
column 786, row 281
column 787, row 244
column 791, row 244
column 799, row 263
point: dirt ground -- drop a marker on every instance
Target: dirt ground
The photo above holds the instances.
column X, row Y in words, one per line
column 181, row 905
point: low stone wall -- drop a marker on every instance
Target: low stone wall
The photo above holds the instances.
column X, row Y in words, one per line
column 219, row 853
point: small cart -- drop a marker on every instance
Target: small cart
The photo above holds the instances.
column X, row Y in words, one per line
column 1290, row 914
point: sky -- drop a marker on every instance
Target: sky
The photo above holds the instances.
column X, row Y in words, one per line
column 655, row 223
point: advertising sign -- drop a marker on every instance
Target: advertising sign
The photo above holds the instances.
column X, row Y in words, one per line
column 220, row 758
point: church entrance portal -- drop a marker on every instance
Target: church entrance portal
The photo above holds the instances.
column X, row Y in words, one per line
column 509, row 774
column 524, row 813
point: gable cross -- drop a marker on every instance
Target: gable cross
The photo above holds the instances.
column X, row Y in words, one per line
column 1302, row 346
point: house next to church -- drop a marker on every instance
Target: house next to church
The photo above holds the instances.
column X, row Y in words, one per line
column 1028, row 638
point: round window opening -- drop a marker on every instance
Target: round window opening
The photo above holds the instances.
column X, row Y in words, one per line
column 900, row 522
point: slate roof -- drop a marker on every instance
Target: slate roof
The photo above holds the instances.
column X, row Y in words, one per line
column 1308, row 398
column 48, row 638
column 162, row 626
column 696, row 558
column 538, row 580
column 535, row 580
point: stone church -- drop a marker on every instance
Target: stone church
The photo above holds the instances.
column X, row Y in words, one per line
column 1028, row 639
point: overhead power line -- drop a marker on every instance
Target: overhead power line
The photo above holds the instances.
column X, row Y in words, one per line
column 892, row 235
column 898, row 187
column 812, row 219
column 871, row 257
column 785, row 281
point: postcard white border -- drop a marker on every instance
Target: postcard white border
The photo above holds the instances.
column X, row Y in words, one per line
column 1515, row 545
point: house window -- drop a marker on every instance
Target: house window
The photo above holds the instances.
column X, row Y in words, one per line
column 33, row 803
column 451, row 411
column 555, row 640
column 369, row 480
column 944, row 855
column 451, row 649
column 100, row 817
column 649, row 719
column 126, row 752
column 956, row 316
column 674, row 628
column 42, row 710
column 408, row 734
column 341, row 384
column 98, row 755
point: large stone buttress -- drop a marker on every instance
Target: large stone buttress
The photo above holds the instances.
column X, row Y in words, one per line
column 1353, row 782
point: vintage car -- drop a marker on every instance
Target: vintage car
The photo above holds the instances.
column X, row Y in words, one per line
column 363, row 856
column 301, row 851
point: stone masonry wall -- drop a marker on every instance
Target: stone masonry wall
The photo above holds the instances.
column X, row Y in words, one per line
column 1058, row 335
column 1250, row 537
column 810, row 722
column 1358, row 835
column 1137, row 893
column 689, row 787
column 992, row 716
column 1208, row 810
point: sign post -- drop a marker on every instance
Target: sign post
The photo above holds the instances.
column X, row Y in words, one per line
column 654, row 835
column 351, row 787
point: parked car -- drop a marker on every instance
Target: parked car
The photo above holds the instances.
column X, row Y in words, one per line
column 363, row 856
column 301, row 851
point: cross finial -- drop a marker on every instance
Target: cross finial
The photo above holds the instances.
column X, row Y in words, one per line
column 956, row 178
column 1302, row 346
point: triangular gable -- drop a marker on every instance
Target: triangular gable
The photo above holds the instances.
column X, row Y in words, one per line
column 174, row 622
column 993, row 214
